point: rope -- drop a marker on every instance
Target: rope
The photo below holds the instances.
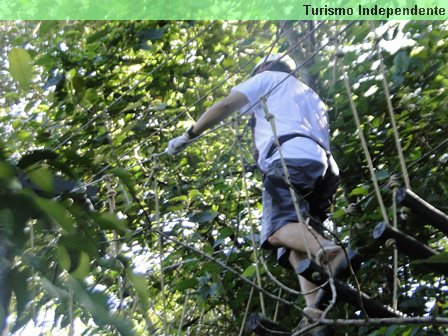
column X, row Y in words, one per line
column 183, row 314
column 282, row 286
column 160, row 246
column 412, row 164
column 373, row 176
column 111, row 193
column 394, row 185
column 71, row 330
column 199, row 327
column 33, row 277
column 246, row 312
column 365, row 148
column 271, row 119
column 391, row 110
column 277, row 306
column 250, row 219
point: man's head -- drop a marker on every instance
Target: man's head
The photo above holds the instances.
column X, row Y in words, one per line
column 275, row 62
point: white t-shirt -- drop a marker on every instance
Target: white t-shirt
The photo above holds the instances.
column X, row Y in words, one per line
column 296, row 108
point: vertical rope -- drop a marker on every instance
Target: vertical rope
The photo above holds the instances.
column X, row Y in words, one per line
column 251, row 222
column 393, row 184
column 366, row 149
column 395, row 269
column 246, row 311
column 270, row 118
column 277, row 306
column 33, row 277
column 391, row 110
column 160, row 244
column 71, row 330
column 200, row 322
column 184, row 309
column 111, row 193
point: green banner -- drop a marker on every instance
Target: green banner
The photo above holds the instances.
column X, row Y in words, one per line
column 224, row 10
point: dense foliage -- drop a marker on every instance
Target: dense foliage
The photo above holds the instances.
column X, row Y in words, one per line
column 91, row 102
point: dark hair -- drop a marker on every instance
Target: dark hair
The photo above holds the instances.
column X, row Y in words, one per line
column 276, row 66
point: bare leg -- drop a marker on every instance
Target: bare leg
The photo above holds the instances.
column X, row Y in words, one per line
column 305, row 285
column 291, row 236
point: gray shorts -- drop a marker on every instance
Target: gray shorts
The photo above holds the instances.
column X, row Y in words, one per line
column 315, row 189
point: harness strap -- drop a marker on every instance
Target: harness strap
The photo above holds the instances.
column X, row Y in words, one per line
column 282, row 139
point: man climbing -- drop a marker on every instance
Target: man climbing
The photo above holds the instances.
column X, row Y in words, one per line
column 302, row 126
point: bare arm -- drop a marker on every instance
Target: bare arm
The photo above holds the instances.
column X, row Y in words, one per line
column 220, row 111
column 210, row 118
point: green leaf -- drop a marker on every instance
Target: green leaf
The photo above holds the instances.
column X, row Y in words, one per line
column 204, row 292
column 249, row 271
column 401, row 62
column 109, row 221
column 181, row 198
column 204, row 217
column 46, row 26
column 78, row 84
column 152, row 34
column 411, row 332
column 94, row 304
column 132, row 106
column 141, row 287
column 75, row 243
column 83, row 268
column 187, row 283
column 125, row 177
column 20, row 66
column 359, row 191
column 18, row 280
column 58, row 212
column 225, row 232
column 7, row 222
column 6, row 170
column 193, row 193
column 43, row 178
column 360, row 32
column 63, row 257
column 391, row 330
column 36, row 156
column 53, row 290
column 382, row 175
column 160, row 107
column 24, row 135
column 339, row 213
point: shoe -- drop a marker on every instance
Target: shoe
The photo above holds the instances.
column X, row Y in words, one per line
column 320, row 330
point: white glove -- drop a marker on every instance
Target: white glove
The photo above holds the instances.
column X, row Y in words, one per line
column 178, row 144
